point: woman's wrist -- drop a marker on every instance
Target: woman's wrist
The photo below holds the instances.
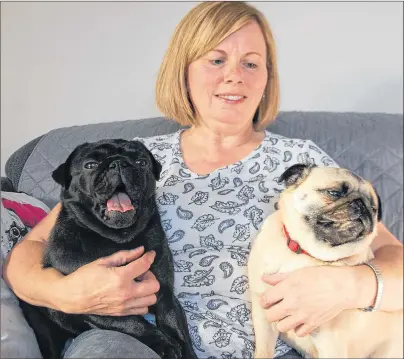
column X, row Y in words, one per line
column 362, row 287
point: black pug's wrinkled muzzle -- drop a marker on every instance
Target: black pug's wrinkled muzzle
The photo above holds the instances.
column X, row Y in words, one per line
column 123, row 188
column 110, row 186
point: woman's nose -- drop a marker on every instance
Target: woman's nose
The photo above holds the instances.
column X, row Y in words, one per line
column 233, row 74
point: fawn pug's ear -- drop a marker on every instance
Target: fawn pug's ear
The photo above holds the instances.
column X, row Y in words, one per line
column 294, row 175
column 379, row 208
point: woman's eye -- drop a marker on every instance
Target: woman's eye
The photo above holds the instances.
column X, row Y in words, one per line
column 216, row 62
column 251, row 65
column 91, row 165
column 141, row 163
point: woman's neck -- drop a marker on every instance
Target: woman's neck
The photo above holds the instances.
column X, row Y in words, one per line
column 216, row 140
column 205, row 149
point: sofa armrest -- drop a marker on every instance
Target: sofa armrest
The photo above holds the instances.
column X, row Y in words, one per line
column 16, row 162
column 7, row 185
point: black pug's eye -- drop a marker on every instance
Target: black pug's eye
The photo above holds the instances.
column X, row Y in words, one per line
column 141, row 163
column 91, row 165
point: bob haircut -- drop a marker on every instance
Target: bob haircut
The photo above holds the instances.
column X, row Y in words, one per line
column 199, row 32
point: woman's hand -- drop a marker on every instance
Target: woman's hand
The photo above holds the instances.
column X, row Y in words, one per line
column 306, row 298
column 107, row 286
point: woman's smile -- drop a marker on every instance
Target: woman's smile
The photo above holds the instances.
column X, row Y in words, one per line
column 231, row 99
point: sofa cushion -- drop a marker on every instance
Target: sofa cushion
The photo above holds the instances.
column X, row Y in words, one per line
column 369, row 144
column 17, row 160
column 17, row 337
column 19, row 213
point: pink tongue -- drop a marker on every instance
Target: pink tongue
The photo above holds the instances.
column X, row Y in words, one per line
column 119, row 202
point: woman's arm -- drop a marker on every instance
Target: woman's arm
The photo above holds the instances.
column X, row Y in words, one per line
column 388, row 253
column 23, row 270
column 308, row 297
column 105, row 286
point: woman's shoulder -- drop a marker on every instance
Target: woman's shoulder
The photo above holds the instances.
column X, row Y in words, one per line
column 166, row 137
column 298, row 150
column 163, row 147
column 272, row 137
column 159, row 143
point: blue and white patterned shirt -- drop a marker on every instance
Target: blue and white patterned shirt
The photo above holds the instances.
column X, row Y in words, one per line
column 210, row 222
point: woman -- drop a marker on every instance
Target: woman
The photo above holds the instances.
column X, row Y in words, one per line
column 218, row 183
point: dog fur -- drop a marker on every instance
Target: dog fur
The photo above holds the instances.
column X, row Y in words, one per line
column 87, row 229
column 316, row 208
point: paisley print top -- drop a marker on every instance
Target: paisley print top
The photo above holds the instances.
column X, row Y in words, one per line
column 210, row 222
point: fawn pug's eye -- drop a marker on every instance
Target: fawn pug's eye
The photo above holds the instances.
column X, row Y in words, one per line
column 338, row 193
column 335, row 194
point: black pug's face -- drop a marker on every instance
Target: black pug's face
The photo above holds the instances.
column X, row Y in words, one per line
column 114, row 179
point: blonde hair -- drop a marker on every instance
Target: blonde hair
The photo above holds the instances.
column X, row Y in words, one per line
column 200, row 31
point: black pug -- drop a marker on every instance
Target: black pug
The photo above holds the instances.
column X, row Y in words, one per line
column 108, row 204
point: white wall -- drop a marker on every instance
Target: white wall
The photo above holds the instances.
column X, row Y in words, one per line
column 76, row 63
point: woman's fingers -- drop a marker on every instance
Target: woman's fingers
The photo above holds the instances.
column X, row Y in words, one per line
column 146, row 286
column 149, row 276
column 140, row 303
column 118, row 312
column 305, row 329
column 122, row 257
column 137, row 267
column 288, row 323
column 271, row 297
column 276, row 312
column 132, row 306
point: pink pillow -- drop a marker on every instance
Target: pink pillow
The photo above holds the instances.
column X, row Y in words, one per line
column 19, row 214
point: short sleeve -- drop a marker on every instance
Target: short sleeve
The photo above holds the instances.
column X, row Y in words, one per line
column 314, row 155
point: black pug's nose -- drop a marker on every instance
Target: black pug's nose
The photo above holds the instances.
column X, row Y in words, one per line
column 358, row 209
column 117, row 164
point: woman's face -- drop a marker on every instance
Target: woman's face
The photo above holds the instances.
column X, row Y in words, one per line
column 226, row 84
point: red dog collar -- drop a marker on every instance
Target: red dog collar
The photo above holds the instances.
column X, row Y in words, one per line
column 293, row 245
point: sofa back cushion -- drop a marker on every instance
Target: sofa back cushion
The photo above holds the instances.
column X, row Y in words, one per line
column 369, row 144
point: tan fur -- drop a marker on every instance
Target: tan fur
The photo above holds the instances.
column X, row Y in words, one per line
column 353, row 333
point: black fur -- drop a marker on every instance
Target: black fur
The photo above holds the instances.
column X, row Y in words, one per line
column 379, row 208
column 83, row 234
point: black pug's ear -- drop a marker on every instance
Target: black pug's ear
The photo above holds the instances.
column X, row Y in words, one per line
column 379, row 208
column 61, row 174
column 294, row 174
column 156, row 168
column 156, row 165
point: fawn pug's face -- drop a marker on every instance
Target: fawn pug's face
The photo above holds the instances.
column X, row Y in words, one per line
column 331, row 212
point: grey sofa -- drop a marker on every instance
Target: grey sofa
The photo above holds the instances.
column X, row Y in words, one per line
column 369, row 144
